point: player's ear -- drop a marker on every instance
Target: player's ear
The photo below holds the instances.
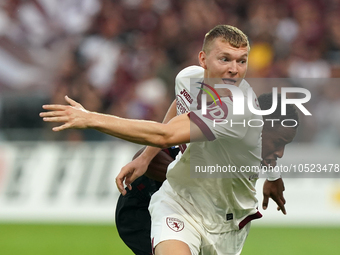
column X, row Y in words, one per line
column 202, row 57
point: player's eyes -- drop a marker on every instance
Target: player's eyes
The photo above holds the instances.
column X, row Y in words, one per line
column 225, row 59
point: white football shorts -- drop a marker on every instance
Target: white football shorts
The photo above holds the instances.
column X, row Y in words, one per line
column 169, row 221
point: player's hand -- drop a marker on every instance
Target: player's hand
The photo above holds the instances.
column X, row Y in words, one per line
column 274, row 190
column 73, row 115
column 130, row 172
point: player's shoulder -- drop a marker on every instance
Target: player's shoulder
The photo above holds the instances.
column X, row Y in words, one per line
column 191, row 72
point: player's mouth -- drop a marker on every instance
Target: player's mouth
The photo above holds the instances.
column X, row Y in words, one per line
column 229, row 81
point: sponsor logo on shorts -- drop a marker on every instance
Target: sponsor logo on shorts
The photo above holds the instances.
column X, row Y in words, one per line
column 175, row 224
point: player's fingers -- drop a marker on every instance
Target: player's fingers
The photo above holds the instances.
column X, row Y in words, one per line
column 55, row 107
column 283, row 200
column 72, row 102
column 56, row 119
column 283, row 209
column 281, row 206
column 126, row 173
column 123, row 176
column 265, row 201
column 62, row 127
column 120, row 185
column 51, row 114
column 128, row 181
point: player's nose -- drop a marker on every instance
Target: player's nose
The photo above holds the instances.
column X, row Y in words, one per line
column 232, row 67
column 279, row 153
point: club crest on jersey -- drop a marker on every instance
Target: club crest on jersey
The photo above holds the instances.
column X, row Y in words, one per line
column 175, row 224
column 216, row 112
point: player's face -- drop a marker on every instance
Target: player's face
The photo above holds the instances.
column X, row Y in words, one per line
column 274, row 140
column 223, row 62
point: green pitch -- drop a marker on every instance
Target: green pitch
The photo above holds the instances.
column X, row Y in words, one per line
column 32, row 239
column 61, row 240
column 292, row 241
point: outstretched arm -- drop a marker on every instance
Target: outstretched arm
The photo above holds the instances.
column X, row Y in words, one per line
column 179, row 130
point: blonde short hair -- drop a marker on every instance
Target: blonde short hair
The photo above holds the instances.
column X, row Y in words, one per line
column 234, row 36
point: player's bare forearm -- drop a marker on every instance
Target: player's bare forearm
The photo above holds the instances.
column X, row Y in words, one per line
column 136, row 131
column 177, row 131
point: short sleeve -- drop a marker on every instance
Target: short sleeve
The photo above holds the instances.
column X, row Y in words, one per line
column 220, row 122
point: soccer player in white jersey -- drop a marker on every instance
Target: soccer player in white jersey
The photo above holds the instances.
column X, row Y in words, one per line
column 194, row 215
column 135, row 231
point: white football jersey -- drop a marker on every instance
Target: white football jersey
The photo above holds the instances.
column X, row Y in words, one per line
column 225, row 201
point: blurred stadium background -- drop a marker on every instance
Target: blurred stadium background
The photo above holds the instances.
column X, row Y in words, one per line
column 57, row 190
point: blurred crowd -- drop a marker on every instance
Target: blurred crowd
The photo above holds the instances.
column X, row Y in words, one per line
column 121, row 56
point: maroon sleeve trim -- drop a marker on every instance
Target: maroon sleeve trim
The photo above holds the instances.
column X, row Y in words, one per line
column 182, row 147
column 249, row 218
column 204, row 128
